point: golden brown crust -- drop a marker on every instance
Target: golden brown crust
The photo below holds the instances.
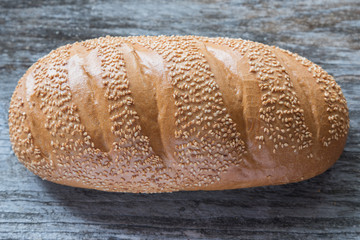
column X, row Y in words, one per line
column 162, row 114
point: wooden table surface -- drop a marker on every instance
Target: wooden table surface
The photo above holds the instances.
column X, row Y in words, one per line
column 325, row 207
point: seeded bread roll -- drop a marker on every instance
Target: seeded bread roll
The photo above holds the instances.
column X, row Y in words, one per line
column 163, row 114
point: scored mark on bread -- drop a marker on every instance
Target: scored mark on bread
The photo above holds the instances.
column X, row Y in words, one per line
column 223, row 63
column 281, row 112
column 83, row 87
column 22, row 138
column 143, row 86
column 154, row 84
column 40, row 135
column 307, row 92
column 71, row 144
column 62, row 122
column 334, row 98
column 246, row 110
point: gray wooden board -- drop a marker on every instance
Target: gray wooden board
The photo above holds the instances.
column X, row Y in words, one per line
column 325, row 207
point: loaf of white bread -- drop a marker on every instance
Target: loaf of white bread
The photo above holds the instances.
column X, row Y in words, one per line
column 162, row 114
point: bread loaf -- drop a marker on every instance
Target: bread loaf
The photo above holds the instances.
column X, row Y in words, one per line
column 162, row 114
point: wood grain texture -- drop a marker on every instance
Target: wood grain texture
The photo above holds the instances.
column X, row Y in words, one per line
column 326, row 32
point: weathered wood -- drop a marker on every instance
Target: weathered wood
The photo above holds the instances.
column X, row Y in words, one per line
column 325, row 207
